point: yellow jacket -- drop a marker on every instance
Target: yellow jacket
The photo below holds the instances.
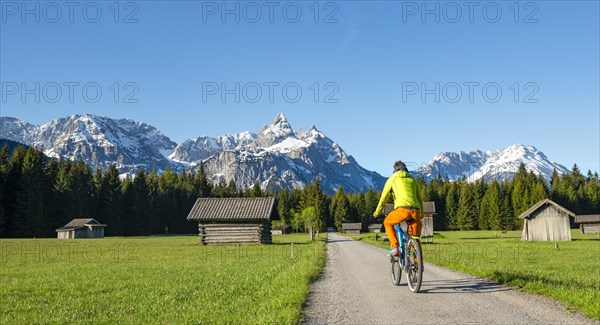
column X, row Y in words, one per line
column 407, row 192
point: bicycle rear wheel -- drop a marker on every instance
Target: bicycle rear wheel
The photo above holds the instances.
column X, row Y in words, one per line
column 396, row 270
column 414, row 273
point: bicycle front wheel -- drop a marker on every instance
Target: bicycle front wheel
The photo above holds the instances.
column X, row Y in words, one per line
column 396, row 270
column 414, row 271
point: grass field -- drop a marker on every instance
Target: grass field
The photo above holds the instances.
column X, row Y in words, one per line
column 569, row 273
column 162, row 279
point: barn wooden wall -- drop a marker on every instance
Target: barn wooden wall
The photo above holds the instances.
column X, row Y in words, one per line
column 240, row 233
column 547, row 224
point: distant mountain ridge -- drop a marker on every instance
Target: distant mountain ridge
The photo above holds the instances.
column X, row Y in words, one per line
column 277, row 156
column 498, row 164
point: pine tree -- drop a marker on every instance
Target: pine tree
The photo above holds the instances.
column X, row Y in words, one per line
column 452, row 205
column 256, row 191
column 201, row 180
column 339, row 208
column 112, row 198
column 81, row 190
column 127, row 208
column 231, row 190
column 30, row 201
column 4, row 168
column 479, row 190
column 507, row 214
column 592, row 194
column 313, row 196
column 283, row 206
column 359, row 207
column 538, row 193
column 490, row 217
column 466, row 214
column 371, row 201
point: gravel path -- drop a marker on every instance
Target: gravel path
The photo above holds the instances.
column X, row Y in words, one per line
column 356, row 289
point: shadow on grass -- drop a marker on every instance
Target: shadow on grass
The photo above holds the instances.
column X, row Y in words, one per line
column 520, row 279
column 466, row 285
column 486, row 238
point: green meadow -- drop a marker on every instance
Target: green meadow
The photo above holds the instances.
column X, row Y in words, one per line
column 156, row 279
column 566, row 271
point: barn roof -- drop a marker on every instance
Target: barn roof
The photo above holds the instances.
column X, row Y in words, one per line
column 429, row 207
column 80, row 223
column 352, row 226
column 233, row 209
column 588, row 218
column 543, row 203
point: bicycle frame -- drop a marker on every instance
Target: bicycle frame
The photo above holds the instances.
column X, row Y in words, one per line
column 402, row 239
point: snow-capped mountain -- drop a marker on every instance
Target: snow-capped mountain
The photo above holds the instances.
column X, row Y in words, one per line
column 277, row 157
column 498, row 164
column 99, row 141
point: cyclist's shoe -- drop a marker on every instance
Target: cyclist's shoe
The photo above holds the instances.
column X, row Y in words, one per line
column 417, row 238
column 393, row 252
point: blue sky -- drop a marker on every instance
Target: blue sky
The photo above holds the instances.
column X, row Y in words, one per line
column 370, row 60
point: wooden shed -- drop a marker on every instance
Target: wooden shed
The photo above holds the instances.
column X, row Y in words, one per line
column 546, row 221
column 234, row 220
column 376, row 227
column 427, row 221
column 281, row 230
column 81, row 228
column 351, row 228
column 588, row 224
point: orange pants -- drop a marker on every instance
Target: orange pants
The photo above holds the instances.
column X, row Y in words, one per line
column 412, row 218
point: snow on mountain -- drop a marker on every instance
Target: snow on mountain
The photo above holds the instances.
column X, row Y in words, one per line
column 277, row 157
column 99, row 141
column 498, row 164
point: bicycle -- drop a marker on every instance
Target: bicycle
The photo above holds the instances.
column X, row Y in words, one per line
column 409, row 259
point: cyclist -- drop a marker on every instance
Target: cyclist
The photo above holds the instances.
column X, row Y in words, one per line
column 408, row 205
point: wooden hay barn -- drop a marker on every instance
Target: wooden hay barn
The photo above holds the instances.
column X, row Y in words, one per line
column 546, row 221
column 588, row 224
column 376, row 227
column 281, row 230
column 234, row 220
column 427, row 220
column 351, row 228
column 81, row 228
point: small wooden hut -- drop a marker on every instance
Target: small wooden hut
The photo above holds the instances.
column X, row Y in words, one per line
column 376, row 227
column 351, row 228
column 81, row 228
column 588, row 224
column 281, row 230
column 234, row 220
column 546, row 221
column 427, row 221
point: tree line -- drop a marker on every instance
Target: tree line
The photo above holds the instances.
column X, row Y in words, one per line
column 38, row 195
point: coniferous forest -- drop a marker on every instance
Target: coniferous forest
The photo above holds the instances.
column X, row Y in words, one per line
column 38, row 195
